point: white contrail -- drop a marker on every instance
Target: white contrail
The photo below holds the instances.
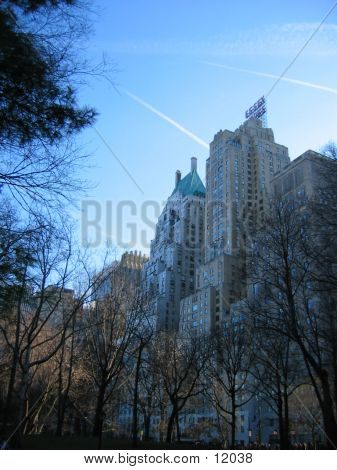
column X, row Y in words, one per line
column 269, row 75
column 166, row 118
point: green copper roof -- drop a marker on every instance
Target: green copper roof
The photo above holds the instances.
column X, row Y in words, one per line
column 190, row 185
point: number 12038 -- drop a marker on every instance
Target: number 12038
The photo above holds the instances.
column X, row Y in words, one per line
column 232, row 457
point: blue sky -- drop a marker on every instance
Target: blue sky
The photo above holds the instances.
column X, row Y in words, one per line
column 183, row 58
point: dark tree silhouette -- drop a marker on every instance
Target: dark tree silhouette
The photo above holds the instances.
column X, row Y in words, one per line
column 181, row 359
column 228, row 371
column 291, row 300
column 39, row 110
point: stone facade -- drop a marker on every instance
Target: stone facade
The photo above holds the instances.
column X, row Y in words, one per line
column 177, row 249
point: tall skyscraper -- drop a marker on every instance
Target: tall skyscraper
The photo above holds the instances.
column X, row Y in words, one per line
column 197, row 259
column 177, row 249
column 239, row 171
column 238, row 174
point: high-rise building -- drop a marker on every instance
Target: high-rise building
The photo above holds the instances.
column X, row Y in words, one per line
column 197, row 271
column 197, row 259
column 301, row 179
column 218, row 284
column 238, row 174
column 177, row 249
column 127, row 271
column 239, row 171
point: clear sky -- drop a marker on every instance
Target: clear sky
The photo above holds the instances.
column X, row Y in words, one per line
column 187, row 68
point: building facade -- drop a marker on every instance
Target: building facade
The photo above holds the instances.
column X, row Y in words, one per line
column 177, row 249
column 301, row 178
column 127, row 271
column 197, row 270
column 239, row 171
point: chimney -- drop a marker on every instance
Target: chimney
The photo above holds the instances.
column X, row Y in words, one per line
column 178, row 177
column 193, row 164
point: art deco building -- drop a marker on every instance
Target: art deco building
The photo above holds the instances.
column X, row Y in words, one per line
column 238, row 174
column 239, row 171
column 302, row 178
column 127, row 271
column 177, row 249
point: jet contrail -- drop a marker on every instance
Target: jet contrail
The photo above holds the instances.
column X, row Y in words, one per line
column 166, row 118
column 269, row 75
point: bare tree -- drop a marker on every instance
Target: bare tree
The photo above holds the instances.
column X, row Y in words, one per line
column 305, row 414
column 141, row 337
column 67, row 359
column 40, row 315
column 150, row 399
column 228, row 371
column 111, row 322
column 278, row 370
column 181, row 359
column 285, row 271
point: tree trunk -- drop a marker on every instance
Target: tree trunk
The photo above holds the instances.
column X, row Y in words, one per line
column 60, row 402
column 170, row 424
column 60, row 415
column 97, row 429
column 14, row 365
column 286, row 421
column 233, row 421
column 325, row 399
column 135, row 398
column 161, row 424
column 178, row 427
column 280, row 419
column 9, row 397
column 147, row 426
column 23, row 410
column 63, row 393
column 330, row 425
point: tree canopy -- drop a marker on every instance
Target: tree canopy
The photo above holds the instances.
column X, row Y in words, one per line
column 39, row 109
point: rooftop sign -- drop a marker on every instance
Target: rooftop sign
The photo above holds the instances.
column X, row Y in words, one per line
column 258, row 110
